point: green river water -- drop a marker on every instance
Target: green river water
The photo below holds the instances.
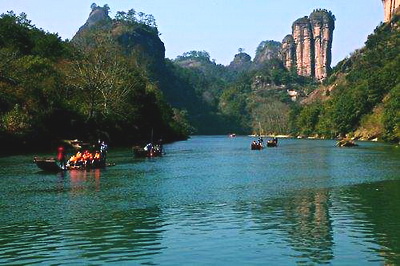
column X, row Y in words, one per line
column 208, row 201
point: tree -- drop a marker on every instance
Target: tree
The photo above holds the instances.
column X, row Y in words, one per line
column 102, row 81
column 106, row 8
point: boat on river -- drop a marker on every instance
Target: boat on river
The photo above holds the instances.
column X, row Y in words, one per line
column 140, row 152
column 272, row 143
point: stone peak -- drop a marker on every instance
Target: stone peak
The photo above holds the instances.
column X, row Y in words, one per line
column 98, row 14
column 323, row 16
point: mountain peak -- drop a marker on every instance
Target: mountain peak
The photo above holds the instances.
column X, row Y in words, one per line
column 97, row 17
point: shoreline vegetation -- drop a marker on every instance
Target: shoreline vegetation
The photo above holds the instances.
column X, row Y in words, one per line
column 113, row 82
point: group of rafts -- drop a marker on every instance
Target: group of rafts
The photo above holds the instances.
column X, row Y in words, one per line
column 82, row 159
column 85, row 159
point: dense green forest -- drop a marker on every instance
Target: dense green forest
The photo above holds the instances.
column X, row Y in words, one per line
column 244, row 97
column 112, row 81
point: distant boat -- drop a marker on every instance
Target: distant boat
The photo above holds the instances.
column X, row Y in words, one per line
column 233, row 135
column 151, row 150
column 256, row 146
column 140, row 152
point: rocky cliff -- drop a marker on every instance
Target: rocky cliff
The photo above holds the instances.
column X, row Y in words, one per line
column 309, row 48
column 98, row 17
column 135, row 37
column 390, row 7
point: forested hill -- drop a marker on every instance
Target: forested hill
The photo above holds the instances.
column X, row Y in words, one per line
column 215, row 99
column 362, row 96
column 52, row 90
column 191, row 84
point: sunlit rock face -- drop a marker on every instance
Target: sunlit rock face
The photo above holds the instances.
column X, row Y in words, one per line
column 390, row 7
column 302, row 35
column 309, row 48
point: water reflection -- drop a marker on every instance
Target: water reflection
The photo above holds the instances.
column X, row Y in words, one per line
column 81, row 181
column 303, row 220
column 309, row 226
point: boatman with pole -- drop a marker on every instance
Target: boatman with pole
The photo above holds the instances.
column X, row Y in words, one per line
column 61, row 157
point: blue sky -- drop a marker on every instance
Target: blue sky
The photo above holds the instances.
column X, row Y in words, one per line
column 219, row 27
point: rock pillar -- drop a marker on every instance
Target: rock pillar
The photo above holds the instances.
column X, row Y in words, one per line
column 303, row 38
column 309, row 48
column 322, row 25
column 288, row 52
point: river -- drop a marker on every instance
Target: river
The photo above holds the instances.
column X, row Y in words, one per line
column 209, row 201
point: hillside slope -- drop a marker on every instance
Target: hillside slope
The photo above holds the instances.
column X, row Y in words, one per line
column 362, row 96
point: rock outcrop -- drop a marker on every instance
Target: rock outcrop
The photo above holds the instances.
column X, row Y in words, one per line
column 309, row 48
column 390, row 7
column 241, row 62
column 134, row 37
column 266, row 51
column 98, row 17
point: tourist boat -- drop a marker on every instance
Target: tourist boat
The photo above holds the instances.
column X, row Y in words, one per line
column 82, row 160
column 233, row 135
